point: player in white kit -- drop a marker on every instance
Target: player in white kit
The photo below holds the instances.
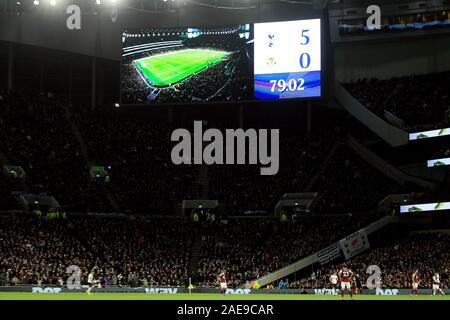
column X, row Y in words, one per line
column 334, row 283
column 91, row 281
column 436, row 285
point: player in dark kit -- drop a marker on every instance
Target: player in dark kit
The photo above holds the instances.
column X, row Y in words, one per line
column 358, row 284
column 345, row 276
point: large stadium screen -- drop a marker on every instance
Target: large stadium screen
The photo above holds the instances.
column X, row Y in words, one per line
column 263, row 61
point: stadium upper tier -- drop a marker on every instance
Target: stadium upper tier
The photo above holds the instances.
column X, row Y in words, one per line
column 420, row 101
column 56, row 158
column 149, row 47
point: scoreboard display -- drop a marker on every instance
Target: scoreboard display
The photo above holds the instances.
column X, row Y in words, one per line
column 261, row 61
column 287, row 59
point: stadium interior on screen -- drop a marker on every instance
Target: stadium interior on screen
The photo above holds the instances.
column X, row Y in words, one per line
column 261, row 61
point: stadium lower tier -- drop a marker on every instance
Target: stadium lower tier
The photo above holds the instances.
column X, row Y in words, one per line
column 151, row 252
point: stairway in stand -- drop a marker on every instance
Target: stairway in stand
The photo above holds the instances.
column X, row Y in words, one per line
column 107, row 192
column 195, row 255
column 202, row 184
column 323, row 166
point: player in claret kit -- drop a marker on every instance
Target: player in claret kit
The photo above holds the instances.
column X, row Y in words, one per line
column 345, row 276
column 223, row 283
column 436, row 285
column 415, row 283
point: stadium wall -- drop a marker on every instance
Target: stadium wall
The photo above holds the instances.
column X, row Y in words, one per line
column 3, row 65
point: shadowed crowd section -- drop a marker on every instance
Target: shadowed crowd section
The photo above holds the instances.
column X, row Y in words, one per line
column 421, row 101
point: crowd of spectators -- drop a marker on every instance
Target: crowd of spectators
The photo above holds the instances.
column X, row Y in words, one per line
column 418, row 100
column 144, row 250
column 138, row 151
column 249, row 248
column 155, row 251
column 140, row 250
column 144, row 179
column 428, row 253
column 37, row 137
column 241, row 187
column 134, row 90
column 372, row 92
column 349, row 184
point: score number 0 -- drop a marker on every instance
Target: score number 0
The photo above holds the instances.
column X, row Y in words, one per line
column 292, row 84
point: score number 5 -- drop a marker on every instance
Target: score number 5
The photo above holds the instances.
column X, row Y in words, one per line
column 305, row 59
column 304, row 36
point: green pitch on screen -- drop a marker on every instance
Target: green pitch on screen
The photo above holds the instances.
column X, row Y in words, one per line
column 169, row 68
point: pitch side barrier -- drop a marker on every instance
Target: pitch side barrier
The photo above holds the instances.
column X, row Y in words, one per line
column 175, row 290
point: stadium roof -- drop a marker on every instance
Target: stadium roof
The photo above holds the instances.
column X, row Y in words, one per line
column 149, row 5
column 164, row 5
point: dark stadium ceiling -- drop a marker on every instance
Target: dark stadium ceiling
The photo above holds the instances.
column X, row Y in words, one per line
column 163, row 5
column 13, row 6
column 149, row 3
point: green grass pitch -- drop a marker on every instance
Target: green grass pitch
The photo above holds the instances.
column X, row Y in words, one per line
column 169, row 68
column 199, row 296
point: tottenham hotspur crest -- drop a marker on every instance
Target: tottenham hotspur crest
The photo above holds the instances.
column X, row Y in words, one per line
column 271, row 36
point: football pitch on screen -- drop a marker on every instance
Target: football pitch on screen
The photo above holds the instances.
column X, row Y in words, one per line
column 169, row 68
column 201, row 296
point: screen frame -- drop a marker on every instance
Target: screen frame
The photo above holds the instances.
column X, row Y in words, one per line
column 235, row 102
